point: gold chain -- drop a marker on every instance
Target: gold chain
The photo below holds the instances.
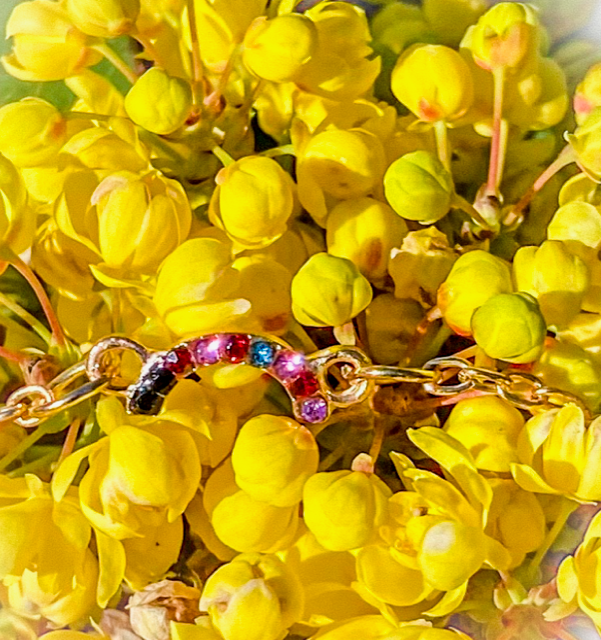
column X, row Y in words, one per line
column 100, row 372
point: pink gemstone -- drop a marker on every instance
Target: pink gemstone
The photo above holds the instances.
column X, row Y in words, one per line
column 178, row 360
column 306, row 384
column 288, row 365
column 312, row 410
column 236, row 347
column 207, row 350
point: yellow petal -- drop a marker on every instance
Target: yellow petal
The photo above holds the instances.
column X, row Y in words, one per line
column 111, row 557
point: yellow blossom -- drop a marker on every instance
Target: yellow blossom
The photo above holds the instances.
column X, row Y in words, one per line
column 107, row 19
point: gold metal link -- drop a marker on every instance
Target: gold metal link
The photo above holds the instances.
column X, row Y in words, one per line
column 28, row 398
column 98, row 364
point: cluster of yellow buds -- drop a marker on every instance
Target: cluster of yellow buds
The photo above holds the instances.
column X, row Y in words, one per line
column 406, row 178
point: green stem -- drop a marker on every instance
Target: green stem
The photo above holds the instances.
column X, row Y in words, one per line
column 443, row 147
column 495, row 166
column 566, row 509
column 284, row 150
column 113, row 57
column 32, row 321
column 471, row 211
column 223, row 156
column 34, row 465
column 22, row 447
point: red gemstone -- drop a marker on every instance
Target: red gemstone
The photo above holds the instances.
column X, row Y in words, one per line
column 178, row 360
column 305, row 385
column 236, row 347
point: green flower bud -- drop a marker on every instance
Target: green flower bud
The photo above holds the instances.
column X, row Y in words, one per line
column 343, row 508
column 557, row 278
column 276, row 49
column 506, row 36
column 253, row 201
column 31, row 132
column 253, row 597
column 365, row 231
column 434, row 82
column 488, row 428
column 450, row 18
column 474, row 278
column 418, row 187
column 105, row 19
column 158, row 102
column 328, row 291
column 272, row 458
column 511, row 327
column 586, row 143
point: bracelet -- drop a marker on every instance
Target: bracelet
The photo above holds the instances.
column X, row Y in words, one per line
column 317, row 383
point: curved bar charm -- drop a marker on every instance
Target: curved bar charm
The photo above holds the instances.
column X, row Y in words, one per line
column 292, row 369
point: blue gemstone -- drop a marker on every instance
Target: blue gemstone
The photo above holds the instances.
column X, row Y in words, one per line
column 261, row 353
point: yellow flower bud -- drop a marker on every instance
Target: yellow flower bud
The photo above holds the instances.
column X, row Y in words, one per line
column 559, row 455
column 399, row 25
column 155, row 206
column 106, row 19
column 555, row 277
column 578, row 226
column 488, row 428
column 276, row 49
column 221, row 25
column 443, row 542
column 568, row 366
column 31, row 132
column 344, row 508
column 197, row 288
column 243, row 523
column 253, row 597
column 340, row 68
column 272, row 458
column 17, row 219
column 46, row 45
column 516, row 519
column 506, row 36
column 253, row 201
column 434, row 82
column 42, row 538
column 341, row 165
column 474, row 278
column 588, row 94
column 365, row 231
column 586, row 143
column 158, row 102
column 328, row 291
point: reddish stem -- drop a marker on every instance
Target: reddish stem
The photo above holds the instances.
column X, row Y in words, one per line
column 70, row 440
column 13, row 356
column 25, row 270
column 499, row 133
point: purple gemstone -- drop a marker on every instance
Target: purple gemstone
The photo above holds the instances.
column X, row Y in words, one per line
column 288, row 365
column 208, row 350
column 312, row 410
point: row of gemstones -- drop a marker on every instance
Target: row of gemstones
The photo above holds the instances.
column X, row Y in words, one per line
column 289, row 367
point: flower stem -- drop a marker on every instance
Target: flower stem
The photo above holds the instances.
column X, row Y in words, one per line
column 471, row 211
column 70, row 440
column 197, row 66
column 25, row 270
column 499, row 135
column 274, row 152
column 565, row 157
column 566, row 509
column 113, row 57
column 32, row 321
column 213, row 101
column 378, row 440
column 223, row 156
column 13, row 356
column 443, row 147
